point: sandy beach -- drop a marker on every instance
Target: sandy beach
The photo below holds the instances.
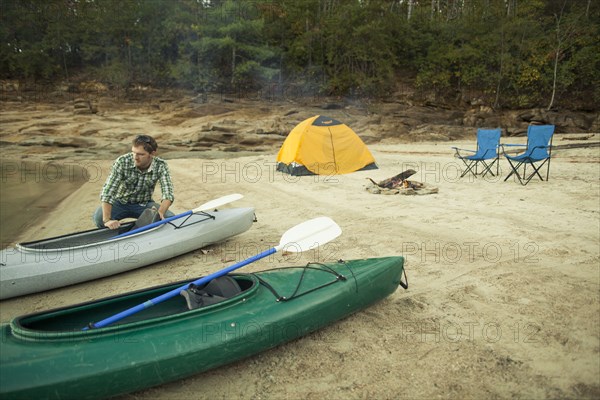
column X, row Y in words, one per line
column 503, row 298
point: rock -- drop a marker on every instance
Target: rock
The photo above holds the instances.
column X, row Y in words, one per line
column 184, row 125
column 373, row 189
column 204, row 138
column 224, row 128
column 9, row 85
column 415, row 188
column 251, row 141
column 93, row 86
column 59, row 141
column 83, row 106
column 332, row 106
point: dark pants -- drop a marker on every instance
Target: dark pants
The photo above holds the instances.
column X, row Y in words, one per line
column 125, row 210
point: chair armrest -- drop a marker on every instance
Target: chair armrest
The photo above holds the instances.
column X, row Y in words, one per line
column 503, row 145
column 457, row 148
column 457, row 152
column 497, row 152
column 540, row 147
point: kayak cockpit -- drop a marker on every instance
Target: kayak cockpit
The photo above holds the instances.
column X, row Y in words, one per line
column 76, row 322
column 100, row 235
column 78, row 239
column 68, row 322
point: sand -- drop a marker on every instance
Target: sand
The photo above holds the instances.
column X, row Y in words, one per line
column 503, row 298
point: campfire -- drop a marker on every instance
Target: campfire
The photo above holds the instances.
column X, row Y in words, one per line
column 400, row 184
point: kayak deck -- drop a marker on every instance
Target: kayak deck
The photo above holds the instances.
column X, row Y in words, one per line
column 69, row 319
column 94, row 236
column 65, row 260
column 76, row 318
column 48, row 355
column 76, row 239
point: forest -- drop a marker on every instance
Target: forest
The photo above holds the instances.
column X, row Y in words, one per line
column 510, row 53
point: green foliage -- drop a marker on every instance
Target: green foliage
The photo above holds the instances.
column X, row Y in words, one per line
column 116, row 72
column 515, row 53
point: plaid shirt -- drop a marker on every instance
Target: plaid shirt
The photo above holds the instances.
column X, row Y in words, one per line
column 128, row 184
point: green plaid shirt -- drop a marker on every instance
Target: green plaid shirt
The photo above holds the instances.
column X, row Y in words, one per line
column 128, row 184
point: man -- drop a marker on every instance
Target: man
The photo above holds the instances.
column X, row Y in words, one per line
column 129, row 187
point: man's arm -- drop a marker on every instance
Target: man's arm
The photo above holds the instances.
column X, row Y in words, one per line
column 108, row 191
column 166, row 187
column 106, row 216
column 113, row 181
column 164, row 206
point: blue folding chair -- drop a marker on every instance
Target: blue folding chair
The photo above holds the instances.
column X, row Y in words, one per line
column 537, row 154
column 488, row 141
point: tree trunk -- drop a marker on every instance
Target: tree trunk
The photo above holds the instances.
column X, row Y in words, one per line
column 64, row 57
column 501, row 70
column 310, row 45
column 233, row 51
column 556, row 56
column 557, row 53
column 587, row 9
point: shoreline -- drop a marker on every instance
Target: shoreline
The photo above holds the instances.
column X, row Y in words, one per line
column 33, row 189
column 489, row 264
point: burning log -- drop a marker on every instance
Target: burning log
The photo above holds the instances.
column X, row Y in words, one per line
column 394, row 181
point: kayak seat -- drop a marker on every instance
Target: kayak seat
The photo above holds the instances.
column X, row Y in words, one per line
column 215, row 291
column 147, row 217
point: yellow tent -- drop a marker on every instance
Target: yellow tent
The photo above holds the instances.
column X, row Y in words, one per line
column 323, row 146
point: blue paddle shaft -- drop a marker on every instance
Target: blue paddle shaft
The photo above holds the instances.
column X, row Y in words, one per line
column 152, row 225
column 175, row 292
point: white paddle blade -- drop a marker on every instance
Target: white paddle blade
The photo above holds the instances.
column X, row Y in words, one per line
column 218, row 202
column 309, row 235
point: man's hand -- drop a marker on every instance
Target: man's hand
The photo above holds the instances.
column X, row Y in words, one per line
column 112, row 224
column 164, row 206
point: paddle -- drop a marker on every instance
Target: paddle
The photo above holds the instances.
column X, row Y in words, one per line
column 307, row 235
column 206, row 206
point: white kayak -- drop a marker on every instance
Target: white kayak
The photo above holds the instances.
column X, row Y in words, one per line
column 78, row 257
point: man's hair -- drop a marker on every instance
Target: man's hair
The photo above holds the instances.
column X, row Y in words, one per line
column 147, row 142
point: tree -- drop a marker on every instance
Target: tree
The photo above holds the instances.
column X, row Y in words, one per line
column 232, row 46
column 33, row 43
column 568, row 31
column 514, row 53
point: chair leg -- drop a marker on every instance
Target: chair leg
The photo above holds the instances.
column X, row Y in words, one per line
column 536, row 172
column 466, row 165
column 485, row 168
column 514, row 170
column 525, row 179
column 488, row 168
column 469, row 168
column 498, row 165
column 472, row 167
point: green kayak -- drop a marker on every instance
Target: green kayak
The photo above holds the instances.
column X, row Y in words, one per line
column 48, row 355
